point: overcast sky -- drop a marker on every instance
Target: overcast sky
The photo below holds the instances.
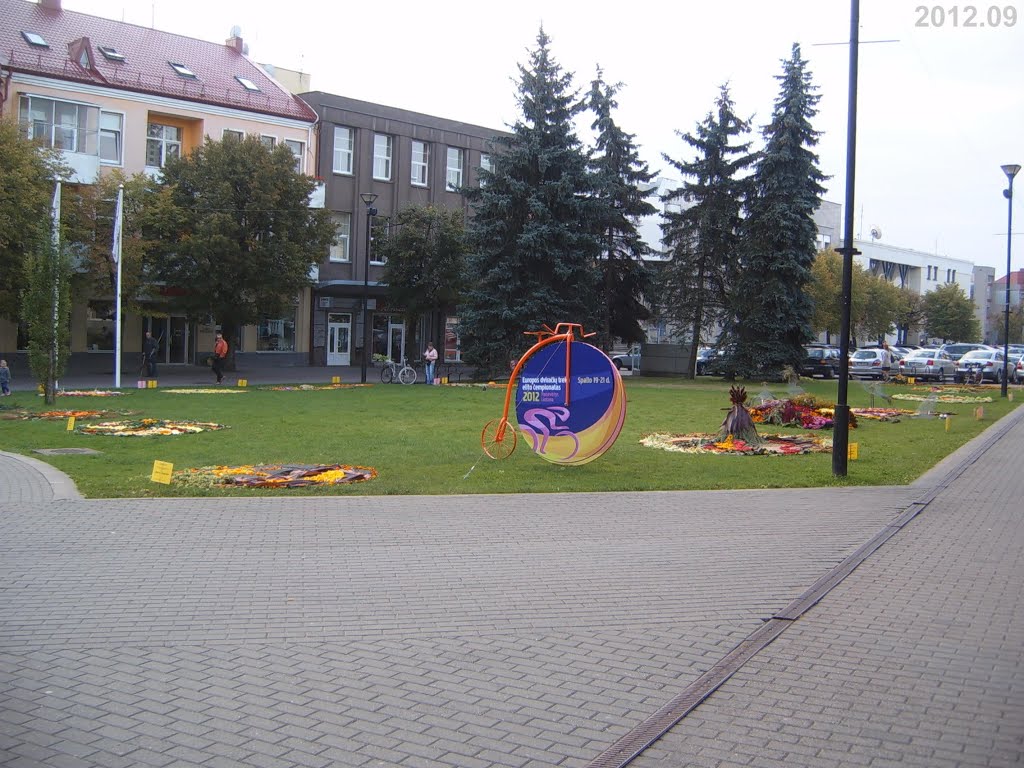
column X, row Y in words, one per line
column 939, row 111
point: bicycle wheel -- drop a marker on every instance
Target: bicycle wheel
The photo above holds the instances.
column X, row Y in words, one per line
column 407, row 375
column 387, row 375
column 498, row 438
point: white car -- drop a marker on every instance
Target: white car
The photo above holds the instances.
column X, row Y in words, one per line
column 928, row 364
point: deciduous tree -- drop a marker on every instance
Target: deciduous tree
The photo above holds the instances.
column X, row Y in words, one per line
column 949, row 314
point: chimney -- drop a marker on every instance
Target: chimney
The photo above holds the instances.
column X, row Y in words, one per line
column 232, row 42
column 50, row 5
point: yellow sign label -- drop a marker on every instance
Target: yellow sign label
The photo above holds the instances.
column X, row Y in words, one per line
column 151, row 384
column 71, row 423
column 949, row 420
column 162, row 472
column 853, row 451
column 911, row 380
column 243, row 382
column 335, row 379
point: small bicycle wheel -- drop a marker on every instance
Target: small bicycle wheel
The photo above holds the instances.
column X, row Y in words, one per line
column 407, row 375
column 498, row 439
column 387, row 375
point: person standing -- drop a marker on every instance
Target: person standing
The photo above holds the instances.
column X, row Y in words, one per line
column 149, row 350
column 886, row 361
column 430, row 356
column 5, row 379
column 220, row 354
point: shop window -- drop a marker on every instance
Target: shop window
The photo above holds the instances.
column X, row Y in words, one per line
column 276, row 335
column 99, row 326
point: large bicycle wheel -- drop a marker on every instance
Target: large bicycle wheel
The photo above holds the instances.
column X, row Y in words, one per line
column 498, row 438
column 407, row 375
column 387, row 375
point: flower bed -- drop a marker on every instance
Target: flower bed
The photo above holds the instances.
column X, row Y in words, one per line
column 88, row 393
column 147, row 427
column 770, row 445
column 805, row 411
column 275, row 475
column 67, row 414
column 942, row 398
column 882, row 414
column 310, row 387
column 202, row 391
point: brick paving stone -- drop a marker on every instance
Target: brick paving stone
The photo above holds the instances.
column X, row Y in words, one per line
column 508, row 630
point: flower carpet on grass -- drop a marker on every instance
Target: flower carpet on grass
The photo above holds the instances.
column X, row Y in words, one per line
column 88, row 393
column 310, row 387
column 769, row 445
column 942, row 398
column 147, row 428
column 275, row 475
column 805, row 411
column 205, row 391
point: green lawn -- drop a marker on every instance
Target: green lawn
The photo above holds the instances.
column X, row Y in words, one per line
column 426, row 440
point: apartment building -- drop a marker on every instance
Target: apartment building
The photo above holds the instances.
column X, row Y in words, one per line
column 113, row 95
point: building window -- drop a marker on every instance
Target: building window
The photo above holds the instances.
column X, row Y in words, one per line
column 453, row 175
column 420, row 163
column 111, row 133
column 182, row 70
column 62, row 125
column 232, row 134
column 111, row 53
column 35, row 39
column 276, row 334
column 268, row 141
column 382, row 157
column 452, row 347
column 298, row 149
column 486, row 164
column 99, row 326
column 162, row 143
column 342, row 237
column 343, row 149
column 952, row 276
column 246, row 83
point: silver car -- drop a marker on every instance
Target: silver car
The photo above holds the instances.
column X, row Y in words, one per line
column 868, row 363
column 989, row 362
column 928, row 364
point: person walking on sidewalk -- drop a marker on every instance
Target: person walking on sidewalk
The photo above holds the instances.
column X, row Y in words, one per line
column 220, row 354
column 430, row 357
column 5, row 379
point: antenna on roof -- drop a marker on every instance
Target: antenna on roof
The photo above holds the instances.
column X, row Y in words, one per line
column 236, row 31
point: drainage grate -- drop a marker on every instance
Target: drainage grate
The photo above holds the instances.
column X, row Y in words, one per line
column 67, row 451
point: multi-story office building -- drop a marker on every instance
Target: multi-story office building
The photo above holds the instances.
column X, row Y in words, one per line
column 376, row 160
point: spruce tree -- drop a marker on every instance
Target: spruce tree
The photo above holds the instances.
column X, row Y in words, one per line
column 532, row 241
column 703, row 235
column 773, row 308
column 622, row 183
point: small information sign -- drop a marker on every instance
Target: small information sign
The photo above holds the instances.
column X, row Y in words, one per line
column 243, row 382
column 162, row 472
column 71, row 423
column 853, row 451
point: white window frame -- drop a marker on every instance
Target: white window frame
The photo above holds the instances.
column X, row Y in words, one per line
column 419, row 165
column 233, row 133
column 118, row 137
column 298, row 149
column 454, row 163
column 268, row 141
column 344, row 149
column 341, row 248
column 163, row 141
column 383, row 150
column 81, row 138
column 486, row 164
column 375, row 258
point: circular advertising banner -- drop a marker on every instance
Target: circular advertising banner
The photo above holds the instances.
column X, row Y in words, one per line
column 574, row 419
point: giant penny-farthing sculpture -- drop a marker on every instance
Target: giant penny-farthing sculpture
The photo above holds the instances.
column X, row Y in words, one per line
column 569, row 399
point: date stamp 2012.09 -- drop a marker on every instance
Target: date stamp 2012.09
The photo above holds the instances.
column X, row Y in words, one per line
column 965, row 16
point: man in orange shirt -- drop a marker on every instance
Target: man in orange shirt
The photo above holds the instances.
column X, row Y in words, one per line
column 220, row 354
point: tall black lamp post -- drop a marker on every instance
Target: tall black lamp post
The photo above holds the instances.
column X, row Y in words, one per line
column 367, row 198
column 1010, row 171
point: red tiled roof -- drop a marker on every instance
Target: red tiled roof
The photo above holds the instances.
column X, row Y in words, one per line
column 145, row 68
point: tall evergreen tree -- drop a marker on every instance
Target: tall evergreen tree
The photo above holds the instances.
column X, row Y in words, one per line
column 532, row 241
column 623, row 187
column 772, row 306
column 703, row 235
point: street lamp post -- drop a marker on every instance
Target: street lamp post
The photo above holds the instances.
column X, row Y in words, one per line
column 1010, row 171
column 367, row 198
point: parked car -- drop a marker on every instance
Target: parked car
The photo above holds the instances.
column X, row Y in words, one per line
column 704, row 354
column 1017, row 369
column 989, row 361
column 629, row 360
column 867, row 363
column 928, row 364
column 956, row 351
column 820, row 359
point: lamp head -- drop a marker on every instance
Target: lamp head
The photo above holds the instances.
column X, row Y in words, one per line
column 367, row 198
column 1010, row 170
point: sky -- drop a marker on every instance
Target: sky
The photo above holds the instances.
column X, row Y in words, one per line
column 939, row 109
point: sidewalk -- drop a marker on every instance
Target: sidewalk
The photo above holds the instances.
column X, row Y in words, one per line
column 806, row 627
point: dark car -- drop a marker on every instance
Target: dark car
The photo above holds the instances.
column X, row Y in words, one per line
column 820, row 360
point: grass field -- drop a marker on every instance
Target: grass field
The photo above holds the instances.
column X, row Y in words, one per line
column 426, row 440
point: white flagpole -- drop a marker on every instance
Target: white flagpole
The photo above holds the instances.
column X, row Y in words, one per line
column 55, row 258
column 116, row 252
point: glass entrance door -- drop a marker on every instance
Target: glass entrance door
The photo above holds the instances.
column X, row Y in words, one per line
column 339, row 339
column 178, row 341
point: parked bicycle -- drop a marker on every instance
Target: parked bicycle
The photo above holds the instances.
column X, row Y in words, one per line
column 404, row 374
